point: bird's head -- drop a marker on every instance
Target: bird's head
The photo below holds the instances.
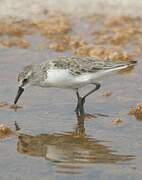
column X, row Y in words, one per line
column 24, row 79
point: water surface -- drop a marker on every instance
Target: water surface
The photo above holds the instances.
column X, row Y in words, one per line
column 53, row 143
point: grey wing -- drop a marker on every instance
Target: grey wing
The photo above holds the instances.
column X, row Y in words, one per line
column 80, row 65
column 93, row 65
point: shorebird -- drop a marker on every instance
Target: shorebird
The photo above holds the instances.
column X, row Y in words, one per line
column 71, row 73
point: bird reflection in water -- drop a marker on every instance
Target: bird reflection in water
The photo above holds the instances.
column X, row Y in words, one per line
column 70, row 151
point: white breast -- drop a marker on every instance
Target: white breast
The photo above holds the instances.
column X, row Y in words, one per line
column 59, row 78
column 62, row 78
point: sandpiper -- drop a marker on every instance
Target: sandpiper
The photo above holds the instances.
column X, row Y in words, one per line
column 69, row 72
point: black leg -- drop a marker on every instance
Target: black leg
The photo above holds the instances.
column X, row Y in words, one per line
column 81, row 100
column 80, row 104
column 97, row 86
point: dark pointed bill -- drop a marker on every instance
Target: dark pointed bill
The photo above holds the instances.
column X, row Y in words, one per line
column 20, row 91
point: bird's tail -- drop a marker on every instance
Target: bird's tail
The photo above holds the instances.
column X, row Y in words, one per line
column 121, row 65
column 114, row 68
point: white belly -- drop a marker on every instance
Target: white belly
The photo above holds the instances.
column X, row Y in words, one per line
column 62, row 78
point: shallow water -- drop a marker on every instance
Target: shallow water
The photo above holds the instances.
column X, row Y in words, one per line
column 52, row 142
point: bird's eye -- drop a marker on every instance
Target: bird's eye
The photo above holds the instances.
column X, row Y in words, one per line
column 25, row 80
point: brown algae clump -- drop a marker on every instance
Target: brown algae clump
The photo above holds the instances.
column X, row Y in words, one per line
column 77, row 42
column 82, row 51
column 5, row 131
column 53, row 25
column 109, row 53
column 15, row 107
column 6, row 105
column 12, row 28
column 124, row 21
column 116, row 38
column 65, row 42
column 3, row 104
column 15, row 42
column 60, row 44
column 119, row 32
column 136, row 111
column 116, row 121
column 106, row 93
column 57, row 46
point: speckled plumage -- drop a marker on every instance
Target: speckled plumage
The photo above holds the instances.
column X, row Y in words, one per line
column 68, row 72
column 80, row 65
